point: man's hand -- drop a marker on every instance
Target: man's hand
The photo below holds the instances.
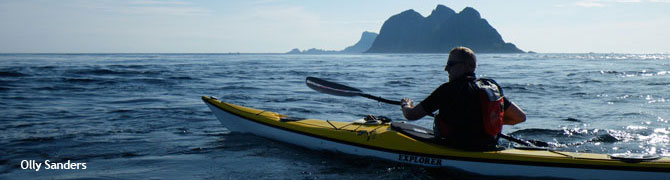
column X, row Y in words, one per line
column 406, row 102
column 409, row 111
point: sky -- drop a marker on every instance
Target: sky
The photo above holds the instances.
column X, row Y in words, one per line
column 277, row 26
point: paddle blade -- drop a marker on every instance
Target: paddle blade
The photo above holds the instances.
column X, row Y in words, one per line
column 331, row 87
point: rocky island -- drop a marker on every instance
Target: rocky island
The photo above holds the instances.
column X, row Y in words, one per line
column 442, row 30
column 360, row 47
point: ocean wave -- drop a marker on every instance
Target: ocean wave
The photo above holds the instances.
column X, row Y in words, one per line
column 94, row 155
column 285, row 100
column 239, row 88
column 572, row 119
column 642, row 73
column 537, row 88
column 12, row 74
column 578, row 94
column 106, row 71
column 115, row 111
column 43, row 68
column 572, row 137
column 398, row 83
column 567, row 138
column 619, row 73
column 24, row 125
column 82, row 80
column 299, row 110
column 60, row 88
column 183, row 78
column 610, row 72
column 136, row 101
column 235, row 97
column 297, row 73
column 597, row 56
column 157, row 81
column 97, row 72
column 132, row 66
column 658, row 83
column 33, row 139
column 589, row 81
column 606, row 138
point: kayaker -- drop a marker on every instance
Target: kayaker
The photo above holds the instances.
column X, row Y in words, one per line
column 459, row 122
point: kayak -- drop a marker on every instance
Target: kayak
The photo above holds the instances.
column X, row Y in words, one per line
column 406, row 143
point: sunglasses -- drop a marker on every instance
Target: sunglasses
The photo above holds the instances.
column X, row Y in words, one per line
column 452, row 64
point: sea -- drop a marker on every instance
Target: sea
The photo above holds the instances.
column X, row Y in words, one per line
column 140, row 116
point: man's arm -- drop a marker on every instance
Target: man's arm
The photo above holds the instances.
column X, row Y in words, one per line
column 513, row 115
column 410, row 111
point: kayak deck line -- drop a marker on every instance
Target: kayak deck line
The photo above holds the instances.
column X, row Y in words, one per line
column 380, row 138
column 311, row 124
column 260, row 113
column 368, row 133
column 300, row 121
column 566, row 155
column 331, row 124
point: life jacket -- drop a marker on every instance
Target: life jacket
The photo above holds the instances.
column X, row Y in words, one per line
column 491, row 97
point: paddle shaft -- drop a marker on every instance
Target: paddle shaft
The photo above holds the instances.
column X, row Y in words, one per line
column 513, row 139
column 380, row 99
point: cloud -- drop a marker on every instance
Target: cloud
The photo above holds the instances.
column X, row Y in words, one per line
column 163, row 10
column 286, row 13
column 629, row 1
column 147, row 7
column 589, row 4
column 603, row 3
column 155, row 2
column 263, row 2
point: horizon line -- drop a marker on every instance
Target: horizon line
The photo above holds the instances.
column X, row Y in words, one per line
column 280, row 53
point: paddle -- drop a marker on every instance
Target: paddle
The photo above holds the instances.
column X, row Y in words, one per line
column 332, row 88
column 342, row 90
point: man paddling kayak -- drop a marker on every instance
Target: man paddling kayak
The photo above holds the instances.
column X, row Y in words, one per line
column 472, row 111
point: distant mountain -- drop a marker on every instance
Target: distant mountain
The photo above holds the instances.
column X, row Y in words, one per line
column 361, row 46
column 312, row 51
column 442, row 30
column 367, row 38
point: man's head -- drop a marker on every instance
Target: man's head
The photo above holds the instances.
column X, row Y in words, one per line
column 461, row 61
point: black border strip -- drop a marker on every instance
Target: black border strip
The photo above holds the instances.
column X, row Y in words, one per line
column 484, row 160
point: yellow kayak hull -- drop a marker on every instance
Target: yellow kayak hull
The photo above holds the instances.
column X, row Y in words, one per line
column 381, row 141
